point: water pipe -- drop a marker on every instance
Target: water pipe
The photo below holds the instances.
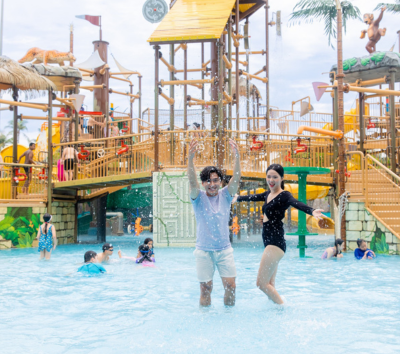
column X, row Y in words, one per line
column 186, row 82
column 335, row 134
column 347, row 88
column 44, row 108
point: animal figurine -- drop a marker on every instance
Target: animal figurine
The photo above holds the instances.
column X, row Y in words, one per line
column 374, row 32
column 47, row 57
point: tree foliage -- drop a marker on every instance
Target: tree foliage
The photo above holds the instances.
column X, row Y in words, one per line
column 324, row 10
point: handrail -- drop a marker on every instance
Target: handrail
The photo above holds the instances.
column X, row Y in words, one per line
column 362, row 165
column 383, row 167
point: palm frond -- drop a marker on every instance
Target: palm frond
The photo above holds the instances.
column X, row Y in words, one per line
column 324, row 10
column 390, row 7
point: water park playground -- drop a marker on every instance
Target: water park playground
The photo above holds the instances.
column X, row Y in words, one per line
column 131, row 182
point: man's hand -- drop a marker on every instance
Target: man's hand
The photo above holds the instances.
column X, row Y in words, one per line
column 193, row 147
column 383, row 9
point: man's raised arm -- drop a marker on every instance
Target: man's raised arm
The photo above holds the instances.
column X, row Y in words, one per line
column 194, row 185
column 235, row 180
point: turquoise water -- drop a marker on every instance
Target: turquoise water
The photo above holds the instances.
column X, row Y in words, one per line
column 333, row 306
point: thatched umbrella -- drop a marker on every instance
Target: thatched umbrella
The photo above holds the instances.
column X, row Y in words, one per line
column 27, row 79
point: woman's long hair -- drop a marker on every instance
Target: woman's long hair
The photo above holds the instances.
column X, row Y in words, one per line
column 338, row 242
column 46, row 219
column 279, row 169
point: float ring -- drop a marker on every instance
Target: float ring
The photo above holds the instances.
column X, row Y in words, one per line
column 100, row 153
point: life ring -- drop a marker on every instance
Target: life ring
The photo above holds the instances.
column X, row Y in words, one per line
column 371, row 125
column 257, row 145
column 42, row 175
column 200, row 147
column 19, row 177
column 83, row 154
column 100, row 153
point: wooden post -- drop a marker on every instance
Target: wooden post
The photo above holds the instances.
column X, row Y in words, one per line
column 100, row 95
column 76, row 133
column 361, row 118
column 185, row 103
column 230, row 72
column 15, row 126
column 392, row 105
column 248, row 87
column 203, row 123
column 140, row 97
column 214, row 88
column 156, row 103
column 172, row 106
column 237, row 70
column 50, row 152
column 131, row 108
column 267, row 116
column 340, row 77
column 220, row 126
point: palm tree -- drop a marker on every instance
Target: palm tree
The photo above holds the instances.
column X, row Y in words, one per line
column 4, row 140
column 21, row 126
column 390, row 7
column 325, row 10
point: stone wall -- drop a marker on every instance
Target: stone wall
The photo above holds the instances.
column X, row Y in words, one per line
column 63, row 218
column 361, row 224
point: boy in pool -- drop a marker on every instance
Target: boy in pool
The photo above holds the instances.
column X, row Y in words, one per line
column 363, row 252
column 90, row 265
column 108, row 250
column 212, row 211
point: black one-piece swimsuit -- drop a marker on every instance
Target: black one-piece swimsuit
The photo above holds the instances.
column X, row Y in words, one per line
column 273, row 233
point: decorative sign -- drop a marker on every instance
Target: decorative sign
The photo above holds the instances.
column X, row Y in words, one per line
column 154, row 10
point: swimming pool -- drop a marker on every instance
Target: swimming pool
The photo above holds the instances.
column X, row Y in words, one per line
column 333, row 306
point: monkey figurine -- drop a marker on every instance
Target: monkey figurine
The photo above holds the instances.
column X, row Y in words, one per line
column 374, row 32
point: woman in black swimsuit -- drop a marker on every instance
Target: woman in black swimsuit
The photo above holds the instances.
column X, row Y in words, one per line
column 277, row 201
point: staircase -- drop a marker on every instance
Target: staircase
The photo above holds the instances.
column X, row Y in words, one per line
column 379, row 189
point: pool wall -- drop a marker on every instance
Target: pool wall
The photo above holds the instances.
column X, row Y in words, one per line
column 361, row 224
column 20, row 223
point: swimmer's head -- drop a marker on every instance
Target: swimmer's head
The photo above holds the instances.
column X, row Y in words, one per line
column 108, row 248
column 362, row 245
column 149, row 242
column 90, row 257
column 275, row 174
column 47, row 217
column 144, row 250
column 211, row 178
column 339, row 244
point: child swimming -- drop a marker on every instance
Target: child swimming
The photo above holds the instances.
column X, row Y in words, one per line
column 335, row 251
column 90, row 265
column 363, row 252
column 145, row 252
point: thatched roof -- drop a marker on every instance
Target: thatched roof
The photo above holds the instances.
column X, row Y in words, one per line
column 24, row 78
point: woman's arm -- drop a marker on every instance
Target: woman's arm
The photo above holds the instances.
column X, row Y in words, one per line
column 329, row 253
column 54, row 237
column 317, row 213
column 38, row 233
column 252, row 197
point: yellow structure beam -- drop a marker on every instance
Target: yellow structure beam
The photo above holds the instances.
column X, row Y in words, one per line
column 193, row 20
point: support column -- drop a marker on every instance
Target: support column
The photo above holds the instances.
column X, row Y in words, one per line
column 140, row 97
column 101, row 217
column 237, row 69
column 76, row 126
column 156, row 103
column 220, row 126
column 101, row 96
column 172, row 107
column 392, row 122
column 230, row 72
column 267, row 117
column 50, row 152
column 131, row 107
column 214, row 87
column 203, row 123
column 335, row 124
column 361, row 118
column 185, row 103
column 15, row 126
column 248, row 87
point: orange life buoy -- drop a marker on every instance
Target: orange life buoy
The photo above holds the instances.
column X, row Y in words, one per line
column 257, row 145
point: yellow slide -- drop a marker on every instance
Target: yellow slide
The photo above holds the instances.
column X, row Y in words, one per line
column 325, row 226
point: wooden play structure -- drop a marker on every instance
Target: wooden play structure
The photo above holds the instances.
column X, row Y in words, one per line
column 117, row 149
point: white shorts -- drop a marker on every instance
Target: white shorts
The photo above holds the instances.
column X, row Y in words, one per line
column 206, row 262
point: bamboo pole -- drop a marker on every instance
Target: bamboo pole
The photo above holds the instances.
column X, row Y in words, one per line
column 348, row 88
column 244, row 63
column 123, row 93
column 190, row 70
column 126, row 73
column 374, row 82
column 170, row 67
column 187, row 82
column 253, row 52
column 61, row 119
column 44, row 107
column 92, row 87
column 50, row 153
column 120, row 79
column 259, row 71
column 170, row 100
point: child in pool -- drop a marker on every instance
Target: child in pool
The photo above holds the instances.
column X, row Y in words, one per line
column 90, row 265
column 47, row 237
column 145, row 252
column 362, row 252
column 334, row 251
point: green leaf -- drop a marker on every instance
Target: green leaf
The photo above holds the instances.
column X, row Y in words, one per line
column 25, row 220
column 365, row 61
column 377, row 57
column 348, row 63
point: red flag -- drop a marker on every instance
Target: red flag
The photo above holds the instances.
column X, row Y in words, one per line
column 94, row 20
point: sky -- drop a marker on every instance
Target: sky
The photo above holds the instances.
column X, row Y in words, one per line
column 297, row 58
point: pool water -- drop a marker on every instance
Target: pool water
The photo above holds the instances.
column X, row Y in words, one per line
column 334, row 306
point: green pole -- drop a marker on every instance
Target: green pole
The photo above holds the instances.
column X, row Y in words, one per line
column 302, row 223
